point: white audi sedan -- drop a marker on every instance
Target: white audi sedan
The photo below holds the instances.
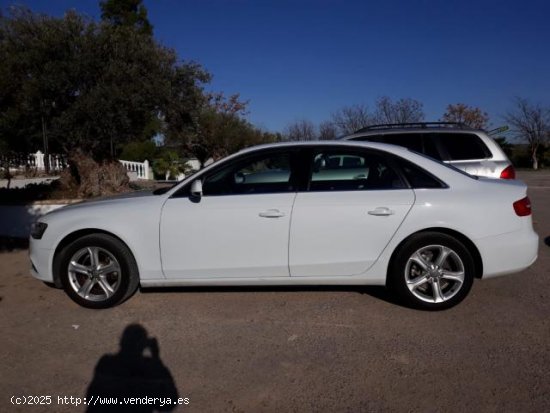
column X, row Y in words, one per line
column 315, row 213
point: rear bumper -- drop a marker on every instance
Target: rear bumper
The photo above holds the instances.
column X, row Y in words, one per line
column 508, row 253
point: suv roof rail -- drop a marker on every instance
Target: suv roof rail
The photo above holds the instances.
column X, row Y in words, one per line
column 420, row 125
column 498, row 130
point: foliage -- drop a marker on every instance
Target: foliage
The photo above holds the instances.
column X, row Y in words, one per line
column 531, row 124
column 300, row 130
column 129, row 13
column 405, row 110
column 468, row 115
column 351, row 118
column 89, row 178
column 327, row 131
column 139, row 151
column 213, row 128
column 94, row 86
column 506, row 146
column 168, row 164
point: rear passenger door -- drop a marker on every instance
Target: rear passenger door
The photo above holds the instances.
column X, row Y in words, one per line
column 353, row 204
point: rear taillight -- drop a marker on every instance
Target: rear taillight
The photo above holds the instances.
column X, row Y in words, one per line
column 508, row 173
column 523, row 207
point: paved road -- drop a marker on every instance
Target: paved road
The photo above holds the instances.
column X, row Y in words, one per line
column 333, row 349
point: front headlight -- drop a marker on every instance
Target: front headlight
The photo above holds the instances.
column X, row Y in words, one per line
column 38, row 229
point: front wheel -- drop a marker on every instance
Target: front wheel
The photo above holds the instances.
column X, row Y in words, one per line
column 432, row 271
column 98, row 271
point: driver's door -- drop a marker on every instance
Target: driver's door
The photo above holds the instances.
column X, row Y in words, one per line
column 239, row 227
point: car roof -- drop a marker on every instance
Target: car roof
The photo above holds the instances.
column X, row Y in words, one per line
column 344, row 143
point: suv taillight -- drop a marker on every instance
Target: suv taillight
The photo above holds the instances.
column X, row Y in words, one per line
column 523, row 207
column 508, row 173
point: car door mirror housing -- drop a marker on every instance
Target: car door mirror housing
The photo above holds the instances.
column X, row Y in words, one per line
column 196, row 189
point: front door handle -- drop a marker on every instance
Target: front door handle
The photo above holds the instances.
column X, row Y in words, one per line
column 272, row 213
column 381, row 212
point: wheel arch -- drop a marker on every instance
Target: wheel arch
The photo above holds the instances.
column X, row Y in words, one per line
column 73, row 236
column 468, row 243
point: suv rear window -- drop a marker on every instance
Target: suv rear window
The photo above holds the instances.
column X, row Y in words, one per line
column 463, row 146
column 418, row 142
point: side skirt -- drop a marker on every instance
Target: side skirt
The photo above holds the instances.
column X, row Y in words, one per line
column 262, row 281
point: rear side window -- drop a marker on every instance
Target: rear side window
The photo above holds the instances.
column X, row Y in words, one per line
column 352, row 171
column 463, row 146
column 418, row 177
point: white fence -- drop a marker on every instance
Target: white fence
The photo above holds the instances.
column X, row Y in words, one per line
column 36, row 161
column 56, row 163
column 140, row 168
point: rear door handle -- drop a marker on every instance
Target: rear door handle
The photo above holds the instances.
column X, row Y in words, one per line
column 272, row 213
column 381, row 212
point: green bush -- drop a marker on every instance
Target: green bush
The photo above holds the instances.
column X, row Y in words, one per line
column 139, row 151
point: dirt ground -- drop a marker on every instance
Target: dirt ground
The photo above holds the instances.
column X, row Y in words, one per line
column 307, row 349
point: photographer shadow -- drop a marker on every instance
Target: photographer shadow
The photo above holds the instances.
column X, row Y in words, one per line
column 131, row 373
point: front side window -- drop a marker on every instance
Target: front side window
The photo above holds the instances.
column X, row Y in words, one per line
column 270, row 173
column 352, row 171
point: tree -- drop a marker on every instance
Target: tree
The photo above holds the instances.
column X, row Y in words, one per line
column 468, row 115
column 327, row 131
column 530, row 123
column 214, row 128
column 506, row 146
column 139, row 151
column 168, row 164
column 85, row 85
column 128, row 13
column 38, row 74
column 300, row 130
column 401, row 111
column 351, row 118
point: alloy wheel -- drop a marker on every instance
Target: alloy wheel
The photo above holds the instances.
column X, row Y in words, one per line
column 434, row 273
column 94, row 273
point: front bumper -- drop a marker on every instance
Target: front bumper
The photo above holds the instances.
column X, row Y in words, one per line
column 41, row 261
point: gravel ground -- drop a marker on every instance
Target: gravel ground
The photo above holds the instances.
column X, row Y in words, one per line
column 307, row 349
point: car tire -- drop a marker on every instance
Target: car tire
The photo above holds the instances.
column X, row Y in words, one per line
column 431, row 271
column 97, row 271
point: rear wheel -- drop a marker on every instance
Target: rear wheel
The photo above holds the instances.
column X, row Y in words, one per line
column 432, row 271
column 98, row 271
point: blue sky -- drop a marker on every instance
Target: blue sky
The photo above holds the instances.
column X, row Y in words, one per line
column 306, row 59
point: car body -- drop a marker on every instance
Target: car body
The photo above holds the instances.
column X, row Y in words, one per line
column 330, row 213
column 471, row 150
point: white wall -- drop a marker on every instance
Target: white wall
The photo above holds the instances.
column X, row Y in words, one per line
column 16, row 220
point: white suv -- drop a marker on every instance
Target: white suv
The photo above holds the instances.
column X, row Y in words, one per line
column 471, row 150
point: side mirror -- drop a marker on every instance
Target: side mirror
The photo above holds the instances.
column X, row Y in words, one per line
column 196, row 189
